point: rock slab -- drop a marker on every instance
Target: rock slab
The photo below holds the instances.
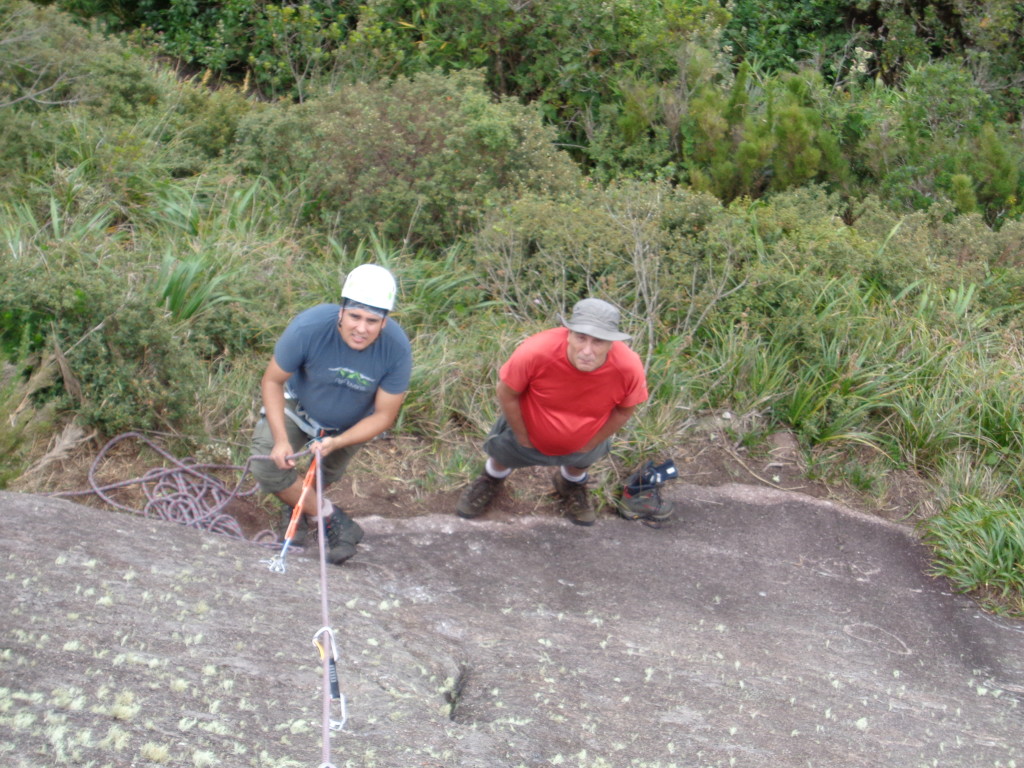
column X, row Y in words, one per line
column 760, row 628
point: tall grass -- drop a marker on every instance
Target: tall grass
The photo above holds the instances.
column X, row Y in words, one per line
column 460, row 338
column 740, row 369
column 979, row 547
column 924, row 381
column 189, row 287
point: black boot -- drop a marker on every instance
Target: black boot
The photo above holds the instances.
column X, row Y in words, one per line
column 343, row 533
column 478, row 495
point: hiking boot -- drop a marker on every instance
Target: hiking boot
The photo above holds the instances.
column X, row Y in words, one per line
column 477, row 496
column 575, row 500
column 343, row 533
column 301, row 528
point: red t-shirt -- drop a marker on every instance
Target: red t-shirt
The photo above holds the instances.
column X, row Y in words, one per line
column 564, row 407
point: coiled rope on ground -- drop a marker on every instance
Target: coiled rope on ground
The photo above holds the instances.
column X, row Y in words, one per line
column 185, row 492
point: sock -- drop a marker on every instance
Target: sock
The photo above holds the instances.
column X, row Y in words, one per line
column 573, row 478
column 490, row 470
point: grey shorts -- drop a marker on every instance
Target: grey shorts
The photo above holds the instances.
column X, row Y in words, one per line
column 502, row 446
column 274, row 480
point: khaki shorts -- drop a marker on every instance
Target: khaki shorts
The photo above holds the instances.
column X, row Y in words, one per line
column 272, row 479
column 502, row 446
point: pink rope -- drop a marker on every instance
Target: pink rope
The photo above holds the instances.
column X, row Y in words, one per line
column 325, row 737
column 185, row 492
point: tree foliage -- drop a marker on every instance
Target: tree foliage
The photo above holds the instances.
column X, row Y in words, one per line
column 742, row 100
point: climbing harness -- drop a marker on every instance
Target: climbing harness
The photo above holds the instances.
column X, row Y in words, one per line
column 297, row 414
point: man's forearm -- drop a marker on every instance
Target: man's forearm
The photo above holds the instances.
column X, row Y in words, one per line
column 514, row 416
column 616, row 421
column 508, row 401
column 362, row 431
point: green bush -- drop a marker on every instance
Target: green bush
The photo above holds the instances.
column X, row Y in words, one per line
column 95, row 115
column 26, row 151
column 131, row 372
column 139, row 343
column 782, row 34
column 737, row 101
column 50, row 61
column 45, row 56
column 419, row 160
column 207, row 120
column 279, row 49
column 646, row 247
column 567, row 56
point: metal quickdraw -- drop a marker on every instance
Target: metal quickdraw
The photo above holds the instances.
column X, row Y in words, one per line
column 332, row 661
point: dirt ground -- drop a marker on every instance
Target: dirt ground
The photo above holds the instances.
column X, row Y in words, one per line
column 386, row 479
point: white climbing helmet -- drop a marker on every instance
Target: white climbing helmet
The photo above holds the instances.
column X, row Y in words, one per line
column 371, row 285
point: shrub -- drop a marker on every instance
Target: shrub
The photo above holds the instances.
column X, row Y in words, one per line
column 43, row 56
column 204, row 122
column 419, row 160
column 139, row 343
column 62, row 87
column 48, row 60
column 645, row 247
column 26, row 150
column 130, row 371
column 566, row 56
column 279, row 48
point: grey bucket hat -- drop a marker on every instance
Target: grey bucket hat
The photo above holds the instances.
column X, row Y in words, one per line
column 596, row 318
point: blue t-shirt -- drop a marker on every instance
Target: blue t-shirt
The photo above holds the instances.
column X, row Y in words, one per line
column 336, row 384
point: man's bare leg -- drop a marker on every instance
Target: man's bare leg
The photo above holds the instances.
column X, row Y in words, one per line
column 291, row 495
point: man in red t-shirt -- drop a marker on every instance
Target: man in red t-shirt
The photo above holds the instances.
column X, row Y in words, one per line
column 563, row 393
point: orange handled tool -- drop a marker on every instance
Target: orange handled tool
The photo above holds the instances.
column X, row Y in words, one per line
column 307, row 482
column 276, row 563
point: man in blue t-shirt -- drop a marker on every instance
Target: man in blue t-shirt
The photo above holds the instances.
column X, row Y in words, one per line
column 339, row 373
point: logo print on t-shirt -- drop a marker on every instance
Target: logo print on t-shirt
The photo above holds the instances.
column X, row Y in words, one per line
column 353, row 379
